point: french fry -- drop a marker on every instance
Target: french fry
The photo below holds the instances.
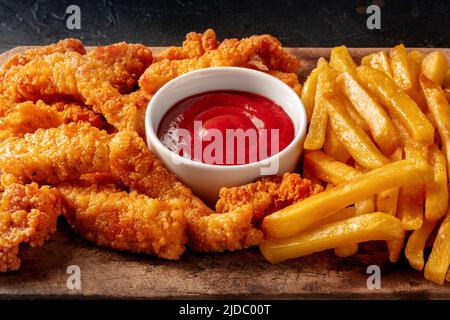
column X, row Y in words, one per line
column 440, row 112
column 379, row 61
column 446, row 82
column 437, row 265
column 398, row 104
column 411, row 198
column 447, row 94
column 368, row 227
column 354, row 114
column 355, row 140
column 307, row 174
column 342, row 214
column 309, row 92
column 301, row 215
column 381, row 127
column 365, row 61
column 386, row 201
column 327, row 168
column 318, row 126
column 395, row 247
column 347, row 250
column 434, row 67
column 414, row 91
column 400, row 67
column 341, row 60
column 416, row 245
column 417, row 56
column 333, row 147
column 436, row 192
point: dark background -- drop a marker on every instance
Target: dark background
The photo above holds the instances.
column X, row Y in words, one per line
column 296, row 23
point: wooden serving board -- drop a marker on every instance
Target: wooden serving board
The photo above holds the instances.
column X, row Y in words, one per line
column 242, row 274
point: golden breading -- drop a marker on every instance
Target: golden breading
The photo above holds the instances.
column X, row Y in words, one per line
column 54, row 155
column 139, row 170
column 21, row 59
column 122, row 63
column 231, row 52
column 280, row 190
column 28, row 214
column 49, row 78
column 195, row 45
column 125, row 221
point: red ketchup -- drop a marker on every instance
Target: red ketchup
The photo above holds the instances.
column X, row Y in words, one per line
column 226, row 128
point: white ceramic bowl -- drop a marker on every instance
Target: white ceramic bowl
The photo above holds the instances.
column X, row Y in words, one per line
column 206, row 179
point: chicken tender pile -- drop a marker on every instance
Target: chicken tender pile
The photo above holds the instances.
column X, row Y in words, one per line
column 71, row 142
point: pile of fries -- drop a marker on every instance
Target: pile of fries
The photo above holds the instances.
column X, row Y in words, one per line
column 379, row 140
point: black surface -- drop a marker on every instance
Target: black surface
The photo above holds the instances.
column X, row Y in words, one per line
column 296, row 23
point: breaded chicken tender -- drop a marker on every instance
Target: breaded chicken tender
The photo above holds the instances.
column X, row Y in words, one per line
column 231, row 52
column 280, row 190
column 140, row 170
column 22, row 59
column 195, row 45
column 55, row 155
column 122, row 64
column 125, row 221
column 28, row 214
column 49, row 78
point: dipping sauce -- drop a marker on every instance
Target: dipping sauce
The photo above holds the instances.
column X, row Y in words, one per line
column 226, row 128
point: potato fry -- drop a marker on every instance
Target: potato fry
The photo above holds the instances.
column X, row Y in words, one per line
column 342, row 214
column 299, row 216
column 446, row 82
column 447, row 94
column 354, row 114
column 381, row 127
column 307, row 174
column 434, row 67
column 368, row 227
column 365, row 61
column 318, row 126
column 437, row 265
column 379, row 61
column 414, row 91
column 395, row 247
column 440, row 112
column 341, row 60
column 400, row 67
column 327, row 168
column 436, row 192
column 347, row 250
column 333, row 147
column 309, row 92
column 416, row 245
column 417, row 56
column 411, row 199
column 398, row 104
column 355, row 140
column 386, row 201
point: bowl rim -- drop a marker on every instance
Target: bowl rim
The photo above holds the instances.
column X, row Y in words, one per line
column 299, row 135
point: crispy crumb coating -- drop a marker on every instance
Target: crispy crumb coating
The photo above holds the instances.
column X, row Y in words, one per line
column 21, row 59
column 28, row 214
column 55, row 155
column 49, row 78
column 122, row 63
column 231, row 52
column 268, row 194
column 27, row 117
column 195, row 45
column 125, row 221
column 140, row 170
column 291, row 79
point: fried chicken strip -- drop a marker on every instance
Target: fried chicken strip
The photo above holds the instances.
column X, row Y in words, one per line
column 125, row 221
column 22, row 59
column 140, row 170
column 28, row 214
column 195, row 45
column 231, row 52
column 122, row 64
column 280, row 190
column 55, row 155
